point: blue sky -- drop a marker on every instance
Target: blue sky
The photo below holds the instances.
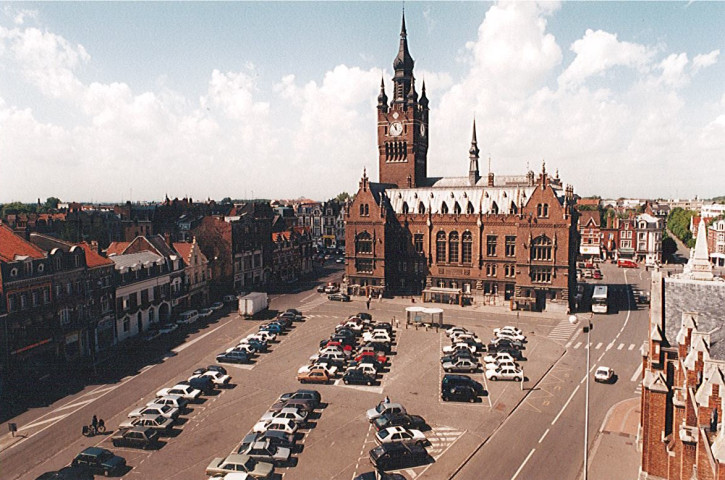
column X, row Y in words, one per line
column 109, row 101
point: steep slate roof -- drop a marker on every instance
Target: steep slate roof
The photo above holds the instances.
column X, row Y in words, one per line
column 12, row 246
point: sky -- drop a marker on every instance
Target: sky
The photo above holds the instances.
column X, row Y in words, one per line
column 109, row 102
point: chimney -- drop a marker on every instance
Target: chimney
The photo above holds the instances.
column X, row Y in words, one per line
column 94, row 246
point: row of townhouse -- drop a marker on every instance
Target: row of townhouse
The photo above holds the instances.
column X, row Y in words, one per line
column 326, row 221
column 63, row 303
column 636, row 237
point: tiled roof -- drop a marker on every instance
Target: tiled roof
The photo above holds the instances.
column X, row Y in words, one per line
column 93, row 258
column 11, row 245
column 117, row 248
column 184, row 250
column 276, row 236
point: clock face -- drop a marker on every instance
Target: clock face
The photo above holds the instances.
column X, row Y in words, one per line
column 422, row 129
column 396, row 128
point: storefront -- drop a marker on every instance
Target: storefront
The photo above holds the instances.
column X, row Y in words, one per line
column 590, row 252
column 450, row 296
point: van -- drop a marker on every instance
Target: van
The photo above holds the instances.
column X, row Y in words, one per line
column 188, row 317
column 623, row 263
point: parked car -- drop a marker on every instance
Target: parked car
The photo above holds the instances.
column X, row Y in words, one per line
column 461, row 365
column 219, row 379
column 205, row 312
column 299, row 416
column 154, row 409
column 462, row 354
column 328, row 367
column 137, row 437
column 332, row 289
column 400, row 435
column 151, row 335
column 302, row 394
column 396, row 455
column 358, row 377
column 339, row 297
column 229, row 298
column 314, row 375
column 399, row 420
column 321, row 288
column 511, row 335
column 383, row 408
column 67, row 473
column 449, row 380
column 597, row 275
column 499, row 357
column 366, row 368
column 265, row 451
column 462, row 393
column 454, row 330
column 167, row 327
column 240, row 463
column 622, row 263
column 235, row 356
column 157, row 422
column 504, row 343
column 603, row 375
column 187, row 317
column 186, row 391
column 277, row 424
column 216, row 306
column 297, row 314
column 174, row 401
column 508, row 328
column 505, row 372
column 203, row 383
column 100, row 460
column 381, row 358
column 278, row 439
column 457, row 347
column 378, row 475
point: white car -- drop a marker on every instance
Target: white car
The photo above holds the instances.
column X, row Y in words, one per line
column 295, row 414
column 400, row 435
column 218, row 378
column 232, row 476
column 330, row 369
column 330, row 350
column 175, row 401
column 163, row 410
column 187, row 317
column 377, row 336
column 461, row 365
column 508, row 328
column 263, row 336
column 383, row 408
column 185, row 391
column 336, row 356
column 205, row 312
column 460, row 330
column 243, row 347
column 501, row 364
column 603, row 374
column 510, row 335
column 462, row 337
column 499, row 357
column 276, row 424
column 167, row 327
column 505, row 373
column 457, row 347
column 367, row 368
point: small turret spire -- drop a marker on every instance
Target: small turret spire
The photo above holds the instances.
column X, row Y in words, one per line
column 382, row 98
column 473, row 174
column 423, row 98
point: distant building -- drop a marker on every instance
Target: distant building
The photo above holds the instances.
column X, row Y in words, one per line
column 649, row 239
column 590, row 234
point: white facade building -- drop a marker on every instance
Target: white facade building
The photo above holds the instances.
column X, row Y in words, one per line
column 648, row 243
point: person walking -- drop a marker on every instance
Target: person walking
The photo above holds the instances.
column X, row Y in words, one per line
column 94, row 424
column 368, row 303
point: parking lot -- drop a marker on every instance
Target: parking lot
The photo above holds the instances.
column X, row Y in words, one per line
column 336, row 444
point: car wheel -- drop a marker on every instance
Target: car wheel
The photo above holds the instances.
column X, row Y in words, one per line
column 346, row 382
column 105, row 473
column 518, row 379
column 494, row 378
column 472, row 399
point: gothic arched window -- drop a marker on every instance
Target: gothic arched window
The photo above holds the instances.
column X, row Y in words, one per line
column 541, row 248
column 467, row 251
column 444, row 208
column 469, row 208
column 457, row 209
column 441, row 247
column 514, row 210
column 421, row 208
column 405, row 207
column 494, row 208
column 453, row 247
column 364, row 243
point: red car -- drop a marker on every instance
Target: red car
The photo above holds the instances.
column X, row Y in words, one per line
column 380, row 358
column 345, row 348
column 621, row 263
column 597, row 275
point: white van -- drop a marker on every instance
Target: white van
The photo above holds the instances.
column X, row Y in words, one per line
column 188, row 317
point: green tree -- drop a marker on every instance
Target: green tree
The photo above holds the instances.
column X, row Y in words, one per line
column 678, row 222
column 18, row 207
column 343, row 197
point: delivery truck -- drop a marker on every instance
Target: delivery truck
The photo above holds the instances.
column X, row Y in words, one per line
column 252, row 303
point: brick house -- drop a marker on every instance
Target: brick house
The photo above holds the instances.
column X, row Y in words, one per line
column 494, row 239
column 681, row 430
column 196, row 269
column 590, row 234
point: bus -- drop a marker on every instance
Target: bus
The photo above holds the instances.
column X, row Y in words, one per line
column 600, row 299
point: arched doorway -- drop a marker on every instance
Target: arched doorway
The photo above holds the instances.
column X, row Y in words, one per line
column 152, row 315
column 164, row 312
column 139, row 322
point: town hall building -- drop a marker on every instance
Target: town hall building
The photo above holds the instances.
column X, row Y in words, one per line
column 495, row 239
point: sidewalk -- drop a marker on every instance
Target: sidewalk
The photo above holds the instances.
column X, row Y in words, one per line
column 614, row 454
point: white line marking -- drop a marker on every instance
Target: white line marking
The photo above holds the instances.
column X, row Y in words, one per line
column 565, row 405
column 75, row 404
column 631, row 347
column 544, row 435
column 578, row 344
column 33, row 425
column 524, row 463
column 621, row 346
column 599, row 345
column 186, row 345
column 637, row 373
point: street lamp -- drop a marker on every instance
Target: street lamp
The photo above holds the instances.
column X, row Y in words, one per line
column 574, row 320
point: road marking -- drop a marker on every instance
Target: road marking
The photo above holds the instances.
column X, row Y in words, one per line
column 599, row 345
column 544, row 435
column 186, row 345
column 621, row 346
column 610, row 346
column 631, row 347
column 75, row 404
column 524, row 463
column 565, row 405
column 578, row 344
column 36, row 424
column 637, row 373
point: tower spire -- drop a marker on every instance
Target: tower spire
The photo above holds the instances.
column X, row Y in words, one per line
column 403, row 66
column 382, row 98
column 473, row 174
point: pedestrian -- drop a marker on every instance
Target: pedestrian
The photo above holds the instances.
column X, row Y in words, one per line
column 94, row 424
column 380, row 297
column 386, row 399
column 368, row 303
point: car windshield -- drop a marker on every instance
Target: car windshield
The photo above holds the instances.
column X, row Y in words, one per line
column 250, row 464
column 385, row 434
column 381, row 407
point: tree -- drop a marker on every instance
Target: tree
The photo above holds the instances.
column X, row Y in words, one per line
column 343, row 197
column 669, row 247
column 678, row 222
column 226, row 201
column 18, row 207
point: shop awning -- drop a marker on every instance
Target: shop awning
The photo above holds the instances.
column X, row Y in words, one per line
column 589, row 250
column 443, row 290
column 717, row 255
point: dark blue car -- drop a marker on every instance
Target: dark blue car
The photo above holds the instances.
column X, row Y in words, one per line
column 100, row 460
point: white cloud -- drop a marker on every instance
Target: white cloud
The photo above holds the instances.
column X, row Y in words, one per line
column 704, row 60
column 599, row 51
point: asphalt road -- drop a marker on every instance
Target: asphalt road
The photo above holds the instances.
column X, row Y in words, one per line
column 508, row 421
column 544, row 438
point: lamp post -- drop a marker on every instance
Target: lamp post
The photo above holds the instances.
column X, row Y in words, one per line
column 587, row 329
